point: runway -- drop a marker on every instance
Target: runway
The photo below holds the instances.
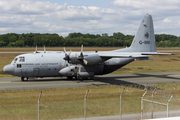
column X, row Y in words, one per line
column 14, row 83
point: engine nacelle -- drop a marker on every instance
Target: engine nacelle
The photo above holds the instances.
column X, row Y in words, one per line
column 89, row 59
column 72, row 71
column 67, row 71
column 74, row 60
column 85, row 75
column 92, row 59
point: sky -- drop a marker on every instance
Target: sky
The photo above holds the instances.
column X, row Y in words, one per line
column 88, row 16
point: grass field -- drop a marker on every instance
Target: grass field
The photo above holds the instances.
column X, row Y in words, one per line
column 104, row 100
column 69, row 102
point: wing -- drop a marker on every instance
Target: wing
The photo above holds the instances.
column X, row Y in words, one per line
column 135, row 55
column 117, row 55
column 155, row 53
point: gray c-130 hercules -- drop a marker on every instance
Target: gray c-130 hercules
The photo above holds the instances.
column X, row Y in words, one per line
column 85, row 64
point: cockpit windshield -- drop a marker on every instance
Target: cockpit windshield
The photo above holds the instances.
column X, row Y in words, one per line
column 19, row 59
column 15, row 59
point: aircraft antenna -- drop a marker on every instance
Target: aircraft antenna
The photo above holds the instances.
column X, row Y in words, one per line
column 44, row 49
column 36, row 49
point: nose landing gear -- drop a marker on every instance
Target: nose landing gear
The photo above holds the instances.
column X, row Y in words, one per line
column 24, row 78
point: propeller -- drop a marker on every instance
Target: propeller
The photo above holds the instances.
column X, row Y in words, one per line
column 81, row 57
column 67, row 58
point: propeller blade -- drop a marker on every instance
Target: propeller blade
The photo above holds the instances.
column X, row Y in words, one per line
column 81, row 48
column 64, row 50
column 69, row 53
column 63, row 63
column 79, row 69
column 85, row 61
column 81, row 57
column 69, row 67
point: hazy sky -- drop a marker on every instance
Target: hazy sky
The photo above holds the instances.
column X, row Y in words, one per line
column 87, row 16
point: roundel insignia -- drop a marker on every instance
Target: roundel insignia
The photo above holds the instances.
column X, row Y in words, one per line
column 146, row 35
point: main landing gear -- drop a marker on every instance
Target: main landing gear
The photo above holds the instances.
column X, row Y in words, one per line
column 24, row 78
column 84, row 78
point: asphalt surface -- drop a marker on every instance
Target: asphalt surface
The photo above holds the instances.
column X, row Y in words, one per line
column 14, row 83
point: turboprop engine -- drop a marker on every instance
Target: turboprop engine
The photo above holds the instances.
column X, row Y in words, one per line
column 68, row 71
column 75, row 71
column 87, row 59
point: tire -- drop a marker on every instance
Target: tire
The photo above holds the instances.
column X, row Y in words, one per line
column 69, row 78
column 22, row 78
column 26, row 79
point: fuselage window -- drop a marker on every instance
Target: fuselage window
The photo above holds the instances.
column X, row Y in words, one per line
column 18, row 65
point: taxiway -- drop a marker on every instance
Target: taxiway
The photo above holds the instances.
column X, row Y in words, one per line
column 14, row 83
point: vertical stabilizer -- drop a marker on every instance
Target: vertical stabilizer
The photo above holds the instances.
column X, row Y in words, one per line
column 144, row 41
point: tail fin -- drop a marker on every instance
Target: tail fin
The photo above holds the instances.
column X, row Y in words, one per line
column 144, row 41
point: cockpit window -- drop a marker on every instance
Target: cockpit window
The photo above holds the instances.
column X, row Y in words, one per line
column 21, row 59
column 15, row 59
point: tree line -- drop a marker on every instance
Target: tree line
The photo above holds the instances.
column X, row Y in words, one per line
column 77, row 39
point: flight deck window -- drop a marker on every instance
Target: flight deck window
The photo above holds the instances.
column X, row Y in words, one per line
column 21, row 59
column 15, row 60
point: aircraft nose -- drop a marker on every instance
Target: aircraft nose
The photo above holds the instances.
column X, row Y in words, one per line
column 9, row 69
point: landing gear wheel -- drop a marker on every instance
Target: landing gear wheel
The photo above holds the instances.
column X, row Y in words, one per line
column 24, row 78
column 69, row 78
column 91, row 78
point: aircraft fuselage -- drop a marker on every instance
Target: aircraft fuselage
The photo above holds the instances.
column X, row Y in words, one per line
column 50, row 63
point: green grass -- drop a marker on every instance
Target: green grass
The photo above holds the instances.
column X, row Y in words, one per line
column 65, row 103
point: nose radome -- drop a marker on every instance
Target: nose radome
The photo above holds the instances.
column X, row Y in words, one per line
column 9, row 69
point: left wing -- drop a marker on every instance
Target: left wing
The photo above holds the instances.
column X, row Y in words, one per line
column 117, row 55
column 109, row 55
column 155, row 53
column 135, row 55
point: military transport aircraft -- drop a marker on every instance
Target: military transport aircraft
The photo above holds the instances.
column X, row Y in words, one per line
column 82, row 65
